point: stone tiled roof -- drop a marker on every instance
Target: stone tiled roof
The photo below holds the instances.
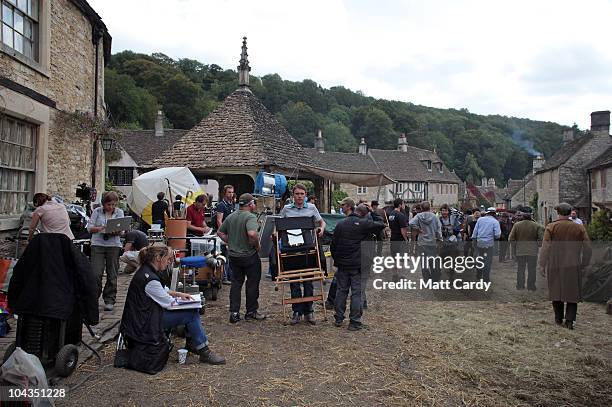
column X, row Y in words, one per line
column 604, row 160
column 241, row 132
column 408, row 166
column 343, row 162
column 144, row 147
column 515, row 185
column 565, row 153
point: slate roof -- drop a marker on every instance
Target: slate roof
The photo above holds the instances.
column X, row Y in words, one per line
column 144, row 147
column 241, row 132
column 343, row 162
column 515, row 185
column 407, row 166
column 604, row 160
column 565, row 153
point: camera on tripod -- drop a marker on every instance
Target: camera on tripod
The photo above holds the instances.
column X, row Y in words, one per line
column 83, row 192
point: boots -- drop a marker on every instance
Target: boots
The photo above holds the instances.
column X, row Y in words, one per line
column 206, row 356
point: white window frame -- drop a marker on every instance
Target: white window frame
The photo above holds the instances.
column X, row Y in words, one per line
column 14, row 28
column 362, row 190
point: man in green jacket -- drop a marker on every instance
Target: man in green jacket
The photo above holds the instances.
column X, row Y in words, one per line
column 527, row 234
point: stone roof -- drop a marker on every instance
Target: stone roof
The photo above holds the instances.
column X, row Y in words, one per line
column 565, row 153
column 515, row 185
column 343, row 162
column 408, row 166
column 241, row 132
column 144, row 147
column 604, row 160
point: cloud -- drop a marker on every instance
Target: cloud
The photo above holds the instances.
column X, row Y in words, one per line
column 522, row 58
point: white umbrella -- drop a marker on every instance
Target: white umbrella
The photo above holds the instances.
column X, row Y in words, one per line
column 171, row 180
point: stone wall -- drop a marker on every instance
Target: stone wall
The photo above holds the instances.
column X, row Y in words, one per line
column 574, row 183
column 524, row 198
column 65, row 74
column 602, row 196
column 548, row 194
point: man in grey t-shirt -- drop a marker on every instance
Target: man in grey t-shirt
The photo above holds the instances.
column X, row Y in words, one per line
column 297, row 209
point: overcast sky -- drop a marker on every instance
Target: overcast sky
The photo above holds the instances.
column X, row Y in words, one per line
column 539, row 59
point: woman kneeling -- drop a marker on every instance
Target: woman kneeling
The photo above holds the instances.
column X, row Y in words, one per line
column 146, row 316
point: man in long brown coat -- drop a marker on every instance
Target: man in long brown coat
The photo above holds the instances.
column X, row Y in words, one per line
column 566, row 251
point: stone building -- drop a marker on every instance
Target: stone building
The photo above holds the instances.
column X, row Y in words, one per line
column 600, row 180
column 137, row 151
column 416, row 174
column 564, row 177
column 52, row 57
column 522, row 191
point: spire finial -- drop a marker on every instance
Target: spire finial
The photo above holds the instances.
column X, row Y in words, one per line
column 244, row 68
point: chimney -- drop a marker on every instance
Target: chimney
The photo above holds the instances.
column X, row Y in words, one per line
column 491, row 182
column 159, row 124
column 568, row 136
column 318, row 144
column 538, row 162
column 244, row 68
column 363, row 147
column 402, row 144
column 600, row 122
column 483, row 182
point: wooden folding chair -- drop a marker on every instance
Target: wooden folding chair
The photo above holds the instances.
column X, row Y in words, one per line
column 298, row 258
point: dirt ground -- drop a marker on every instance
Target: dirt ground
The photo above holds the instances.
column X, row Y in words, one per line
column 417, row 349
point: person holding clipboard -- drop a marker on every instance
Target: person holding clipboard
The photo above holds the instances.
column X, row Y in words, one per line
column 106, row 247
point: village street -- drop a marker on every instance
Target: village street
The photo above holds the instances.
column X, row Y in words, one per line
column 415, row 350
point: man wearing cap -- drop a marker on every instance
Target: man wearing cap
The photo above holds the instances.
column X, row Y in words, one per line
column 566, row 251
column 300, row 208
column 347, row 252
column 526, row 233
column 485, row 232
column 239, row 231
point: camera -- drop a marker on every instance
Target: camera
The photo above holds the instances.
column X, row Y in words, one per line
column 83, row 192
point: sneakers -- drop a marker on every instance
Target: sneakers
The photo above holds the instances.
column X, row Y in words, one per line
column 226, row 282
column 108, row 307
column 354, row 327
column 206, row 356
column 296, row 318
column 310, row 318
column 234, row 317
column 254, row 316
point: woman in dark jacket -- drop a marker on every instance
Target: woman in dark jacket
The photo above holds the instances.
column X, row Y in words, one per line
column 147, row 315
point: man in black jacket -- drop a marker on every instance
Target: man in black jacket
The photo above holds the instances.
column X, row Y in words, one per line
column 346, row 251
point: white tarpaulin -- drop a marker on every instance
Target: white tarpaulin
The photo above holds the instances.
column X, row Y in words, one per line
column 171, row 181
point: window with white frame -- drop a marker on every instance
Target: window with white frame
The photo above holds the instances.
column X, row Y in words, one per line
column 417, row 187
column 399, row 188
column 362, row 190
column 440, row 168
column 20, row 27
column 428, row 165
column 17, row 164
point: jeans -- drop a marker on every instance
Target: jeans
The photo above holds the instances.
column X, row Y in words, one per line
column 302, row 308
column 529, row 262
column 570, row 311
column 191, row 319
column 348, row 279
column 484, row 273
column 430, row 273
column 103, row 257
column 249, row 268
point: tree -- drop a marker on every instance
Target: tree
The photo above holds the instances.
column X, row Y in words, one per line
column 470, row 171
column 184, row 104
column 129, row 105
column 338, row 137
column 301, row 122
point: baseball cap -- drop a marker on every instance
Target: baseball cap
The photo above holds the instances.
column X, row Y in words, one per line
column 348, row 201
column 245, row 199
column 491, row 209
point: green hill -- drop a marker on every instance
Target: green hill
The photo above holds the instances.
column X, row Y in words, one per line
column 137, row 85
